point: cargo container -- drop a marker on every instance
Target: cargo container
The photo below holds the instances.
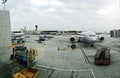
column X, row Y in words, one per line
column 102, row 57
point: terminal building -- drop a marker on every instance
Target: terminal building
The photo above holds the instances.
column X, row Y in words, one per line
column 5, row 36
column 115, row 33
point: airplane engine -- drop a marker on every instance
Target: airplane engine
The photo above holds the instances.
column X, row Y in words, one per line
column 101, row 38
column 72, row 39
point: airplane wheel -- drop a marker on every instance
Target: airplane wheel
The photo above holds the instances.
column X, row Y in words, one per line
column 92, row 45
column 79, row 40
column 73, row 46
column 12, row 57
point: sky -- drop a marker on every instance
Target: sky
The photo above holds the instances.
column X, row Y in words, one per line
column 93, row 15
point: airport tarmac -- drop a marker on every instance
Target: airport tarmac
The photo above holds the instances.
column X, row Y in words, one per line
column 56, row 59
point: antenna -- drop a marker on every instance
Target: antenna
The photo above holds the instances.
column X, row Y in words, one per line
column 82, row 28
column 4, row 1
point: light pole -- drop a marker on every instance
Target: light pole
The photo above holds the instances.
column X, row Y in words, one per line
column 36, row 27
column 4, row 1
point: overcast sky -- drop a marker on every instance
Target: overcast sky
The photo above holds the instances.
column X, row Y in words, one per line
column 96, row 15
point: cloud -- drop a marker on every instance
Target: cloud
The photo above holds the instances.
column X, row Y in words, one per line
column 64, row 14
column 71, row 11
column 51, row 10
column 56, row 3
column 39, row 2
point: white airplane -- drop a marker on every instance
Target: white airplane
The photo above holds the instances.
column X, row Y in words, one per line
column 19, row 34
column 87, row 37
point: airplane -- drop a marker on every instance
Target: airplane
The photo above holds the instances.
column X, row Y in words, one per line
column 44, row 37
column 19, row 34
column 87, row 37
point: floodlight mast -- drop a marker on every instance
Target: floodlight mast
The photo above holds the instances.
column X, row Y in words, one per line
column 4, row 1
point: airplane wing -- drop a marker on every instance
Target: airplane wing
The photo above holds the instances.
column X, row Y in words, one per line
column 79, row 35
column 77, row 38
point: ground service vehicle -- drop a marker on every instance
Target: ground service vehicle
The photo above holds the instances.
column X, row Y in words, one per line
column 20, row 55
column 25, row 57
column 27, row 73
column 17, row 41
